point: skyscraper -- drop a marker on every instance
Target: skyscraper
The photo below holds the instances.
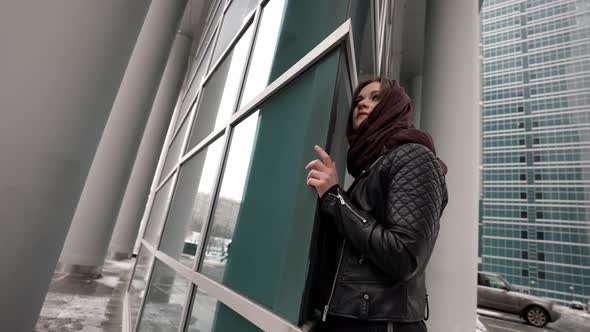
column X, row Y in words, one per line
column 534, row 218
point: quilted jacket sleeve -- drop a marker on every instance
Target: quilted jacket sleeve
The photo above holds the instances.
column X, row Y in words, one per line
column 401, row 245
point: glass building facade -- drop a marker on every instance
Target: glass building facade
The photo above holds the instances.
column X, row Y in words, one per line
column 230, row 218
column 535, row 193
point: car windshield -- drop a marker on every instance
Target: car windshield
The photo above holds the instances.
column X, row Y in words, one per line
column 495, row 282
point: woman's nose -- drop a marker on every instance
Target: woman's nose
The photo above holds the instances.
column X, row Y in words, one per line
column 363, row 104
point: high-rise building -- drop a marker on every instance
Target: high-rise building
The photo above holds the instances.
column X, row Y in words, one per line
column 535, row 199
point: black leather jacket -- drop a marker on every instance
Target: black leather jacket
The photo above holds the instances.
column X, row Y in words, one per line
column 389, row 222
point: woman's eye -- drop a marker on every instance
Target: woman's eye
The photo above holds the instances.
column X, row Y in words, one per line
column 376, row 97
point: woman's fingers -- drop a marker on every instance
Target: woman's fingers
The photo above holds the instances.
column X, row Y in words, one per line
column 316, row 175
column 317, row 165
column 323, row 174
column 324, row 155
column 314, row 182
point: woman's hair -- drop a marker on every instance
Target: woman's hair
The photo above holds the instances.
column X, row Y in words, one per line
column 385, row 89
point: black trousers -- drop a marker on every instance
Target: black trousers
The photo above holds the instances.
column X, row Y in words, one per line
column 339, row 324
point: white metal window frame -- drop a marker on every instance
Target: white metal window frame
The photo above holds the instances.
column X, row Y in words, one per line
column 258, row 315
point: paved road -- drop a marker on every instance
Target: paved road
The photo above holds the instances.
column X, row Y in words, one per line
column 501, row 322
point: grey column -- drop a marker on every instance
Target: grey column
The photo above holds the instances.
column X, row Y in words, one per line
column 138, row 188
column 450, row 112
column 62, row 63
column 86, row 246
column 415, row 92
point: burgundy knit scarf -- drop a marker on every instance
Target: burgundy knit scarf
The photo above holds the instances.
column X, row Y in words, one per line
column 390, row 125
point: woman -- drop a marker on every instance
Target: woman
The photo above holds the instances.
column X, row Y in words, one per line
column 387, row 222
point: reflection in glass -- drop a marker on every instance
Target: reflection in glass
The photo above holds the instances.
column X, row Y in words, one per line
column 228, row 203
column 164, row 301
column 220, row 92
column 268, row 255
column 234, row 18
column 341, row 108
column 157, row 214
column 189, row 99
column 213, row 25
column 208, row 314
column 264, row 50
column 190, row 204
column 305, row 24
column 173, row 154
column 139, row 283
column 364, row 37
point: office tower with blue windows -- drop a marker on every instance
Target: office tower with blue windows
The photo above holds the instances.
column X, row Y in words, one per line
column 178, row 131
column 535, row 193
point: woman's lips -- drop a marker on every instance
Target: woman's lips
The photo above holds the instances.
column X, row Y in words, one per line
column 361, row 114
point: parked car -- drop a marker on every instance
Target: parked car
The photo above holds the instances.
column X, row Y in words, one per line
column 494, row 292
column 577, row 305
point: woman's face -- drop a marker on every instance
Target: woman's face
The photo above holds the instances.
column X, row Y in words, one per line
column 368, row 98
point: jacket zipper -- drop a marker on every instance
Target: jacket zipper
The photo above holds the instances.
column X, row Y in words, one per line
column 327, row 306
column 343, row 203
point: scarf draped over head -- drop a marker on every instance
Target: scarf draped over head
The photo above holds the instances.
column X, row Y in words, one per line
column 388, row 126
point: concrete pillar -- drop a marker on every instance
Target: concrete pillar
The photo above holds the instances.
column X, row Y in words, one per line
column 62, row 63
column 450, row 112
column 138, row 188
column 416, row 96
column 86, row 246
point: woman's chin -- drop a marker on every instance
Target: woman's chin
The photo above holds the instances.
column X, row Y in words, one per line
column 359, row 122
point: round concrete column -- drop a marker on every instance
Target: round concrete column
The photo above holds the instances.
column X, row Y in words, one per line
column 450, row 112
column 86, row 246
column 62, row 63
column 415, row 92
column 138, row 188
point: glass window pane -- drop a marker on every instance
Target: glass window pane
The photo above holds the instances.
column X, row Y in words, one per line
column 264, row 50
column 212, row 29
column 283, row 40
column 263, row 187
column 364, row 37
column 189, row 99
column 208, row 314
column 296, row 38
column 158, row 213
column 139, row 283
column 220, row 92
column 174, row 151
column 165, row 300
column 190, row 204
column 234, row 18
column 229, row 199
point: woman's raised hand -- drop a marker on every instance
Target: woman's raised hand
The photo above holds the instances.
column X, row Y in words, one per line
column 322, row 173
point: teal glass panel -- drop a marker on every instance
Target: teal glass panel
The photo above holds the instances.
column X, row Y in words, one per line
column 207, row 313
column 264, row 188
column 304, row 25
